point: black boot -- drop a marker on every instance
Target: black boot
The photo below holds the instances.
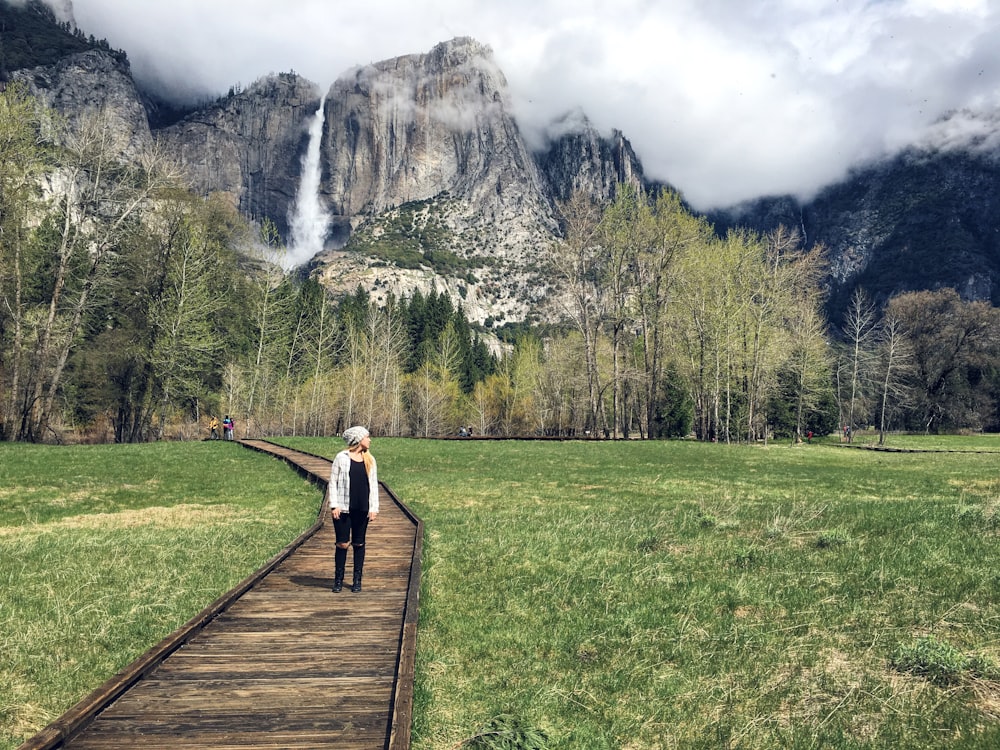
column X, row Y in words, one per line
column 339, row 563
column 359, row 566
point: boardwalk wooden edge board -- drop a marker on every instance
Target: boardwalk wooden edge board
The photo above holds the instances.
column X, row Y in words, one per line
column 402, row 711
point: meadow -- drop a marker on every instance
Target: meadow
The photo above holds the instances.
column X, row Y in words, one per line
column 586, row 594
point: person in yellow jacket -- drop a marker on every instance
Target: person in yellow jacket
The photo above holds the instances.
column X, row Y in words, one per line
column 213, row 425
column 353, row 497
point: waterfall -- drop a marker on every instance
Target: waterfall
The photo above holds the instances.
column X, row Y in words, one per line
column 308, row 220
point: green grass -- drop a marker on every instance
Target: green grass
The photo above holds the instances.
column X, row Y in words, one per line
column 105, row 550
column 610, row 595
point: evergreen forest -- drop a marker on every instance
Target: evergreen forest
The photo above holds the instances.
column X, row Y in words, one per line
column 31, row 35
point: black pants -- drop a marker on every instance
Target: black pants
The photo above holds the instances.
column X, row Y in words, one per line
column 351, row 527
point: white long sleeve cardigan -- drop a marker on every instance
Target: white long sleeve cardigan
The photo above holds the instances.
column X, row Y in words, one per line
column 340, row 483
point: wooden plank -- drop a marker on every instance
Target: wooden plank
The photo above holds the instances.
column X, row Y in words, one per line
column 341, row 735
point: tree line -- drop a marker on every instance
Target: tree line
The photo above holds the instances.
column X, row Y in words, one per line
column 681, row 331
column 132, row 310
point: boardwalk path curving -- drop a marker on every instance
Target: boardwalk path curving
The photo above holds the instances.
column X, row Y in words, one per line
column 280, row 661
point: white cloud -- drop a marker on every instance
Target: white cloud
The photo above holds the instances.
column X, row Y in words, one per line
column 725, row 100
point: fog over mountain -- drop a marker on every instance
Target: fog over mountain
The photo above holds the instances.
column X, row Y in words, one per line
column 727, row 101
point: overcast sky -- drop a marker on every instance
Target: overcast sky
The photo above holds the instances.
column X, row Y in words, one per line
column 725, row 99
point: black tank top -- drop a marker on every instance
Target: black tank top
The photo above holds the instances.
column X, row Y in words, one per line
column 359, row 487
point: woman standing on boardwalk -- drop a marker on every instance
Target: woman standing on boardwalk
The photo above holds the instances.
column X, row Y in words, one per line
column 353, row 493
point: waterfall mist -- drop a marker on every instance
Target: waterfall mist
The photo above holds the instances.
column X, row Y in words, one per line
column 308, row 221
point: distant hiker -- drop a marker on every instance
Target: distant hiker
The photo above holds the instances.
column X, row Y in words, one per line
column 353, row 493
column 227, row 427
column 213, row 425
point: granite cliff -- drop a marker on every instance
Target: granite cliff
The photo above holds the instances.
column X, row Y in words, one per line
column 248, row 145
column 88, row 81
column 430, row 183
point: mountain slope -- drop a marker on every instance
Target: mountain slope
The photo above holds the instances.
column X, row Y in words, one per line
column 926, row 218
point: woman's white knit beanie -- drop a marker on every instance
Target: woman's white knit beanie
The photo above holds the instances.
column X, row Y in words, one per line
column 354, row 435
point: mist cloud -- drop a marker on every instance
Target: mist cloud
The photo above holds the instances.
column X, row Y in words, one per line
column 726, row 101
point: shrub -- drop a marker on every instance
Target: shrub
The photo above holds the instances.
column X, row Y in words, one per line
column 977, row 515
column 832, row 538
column 507, row 732
column 940, row 662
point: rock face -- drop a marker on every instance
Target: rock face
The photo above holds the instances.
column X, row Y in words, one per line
column 433, row 134
column 88, row 82
column 248, row 144
column 414, row 127
column 579, row 158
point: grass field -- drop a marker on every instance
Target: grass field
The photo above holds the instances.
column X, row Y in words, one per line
column 607, row 595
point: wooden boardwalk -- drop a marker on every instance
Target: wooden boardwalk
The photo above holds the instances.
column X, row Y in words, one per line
column 280, row 661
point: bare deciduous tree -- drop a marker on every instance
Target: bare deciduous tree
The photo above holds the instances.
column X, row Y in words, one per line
column 577, row 264
column 101, row 191
column 859, row 332
column 895, row 356
column 22, row 161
